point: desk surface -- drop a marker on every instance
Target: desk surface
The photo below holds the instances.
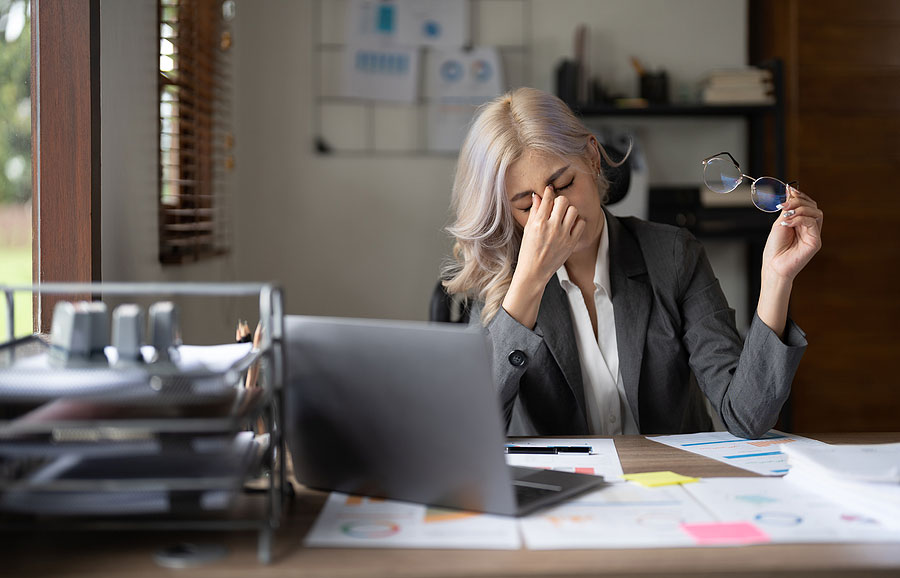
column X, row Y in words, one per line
column 130, row 553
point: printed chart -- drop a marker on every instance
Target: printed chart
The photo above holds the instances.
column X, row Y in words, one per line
column 787, row 512
column 761, row 456
column 359, row 522
column 623, row 515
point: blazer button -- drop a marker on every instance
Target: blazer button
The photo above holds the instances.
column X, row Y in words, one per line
column 517, row 358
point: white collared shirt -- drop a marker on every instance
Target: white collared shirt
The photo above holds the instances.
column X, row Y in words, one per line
column 608, row 412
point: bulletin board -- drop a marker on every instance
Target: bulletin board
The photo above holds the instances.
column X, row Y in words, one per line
column 345, row 125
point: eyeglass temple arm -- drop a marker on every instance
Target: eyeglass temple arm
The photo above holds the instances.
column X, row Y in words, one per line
column 707, row 159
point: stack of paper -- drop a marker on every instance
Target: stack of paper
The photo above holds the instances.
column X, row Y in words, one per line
column 864, row 477
column 762, row 456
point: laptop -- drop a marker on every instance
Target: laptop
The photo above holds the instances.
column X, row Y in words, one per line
column 407, row 411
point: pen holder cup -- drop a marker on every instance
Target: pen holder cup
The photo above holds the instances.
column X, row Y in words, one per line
column 655, row 87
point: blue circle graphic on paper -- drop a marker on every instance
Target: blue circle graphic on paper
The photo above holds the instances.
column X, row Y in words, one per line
column 451, row 71
column 431, row 29
column 779, row 518
column 481, row 70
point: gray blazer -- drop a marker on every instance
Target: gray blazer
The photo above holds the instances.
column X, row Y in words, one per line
column 677, row 342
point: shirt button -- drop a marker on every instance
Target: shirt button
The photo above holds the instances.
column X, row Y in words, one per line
column 517, row 358
column 612, row 418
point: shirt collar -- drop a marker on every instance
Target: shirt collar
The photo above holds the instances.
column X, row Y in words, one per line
column 601, row 269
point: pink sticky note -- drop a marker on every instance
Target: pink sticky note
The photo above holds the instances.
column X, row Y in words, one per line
column 725, row 533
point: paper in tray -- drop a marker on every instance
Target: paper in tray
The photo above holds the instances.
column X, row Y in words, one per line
column 201, row 375
column 183, row 480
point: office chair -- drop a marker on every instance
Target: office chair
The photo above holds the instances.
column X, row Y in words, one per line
column 447, row 308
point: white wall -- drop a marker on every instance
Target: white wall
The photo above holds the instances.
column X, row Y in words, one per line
column 357, row 236
column 351, row 235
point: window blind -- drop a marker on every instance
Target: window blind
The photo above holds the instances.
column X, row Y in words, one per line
column 196, row 141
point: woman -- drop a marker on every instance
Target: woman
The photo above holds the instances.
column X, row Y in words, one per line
column 604, row 325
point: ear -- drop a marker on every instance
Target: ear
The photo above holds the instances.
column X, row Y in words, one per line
column 593, row 154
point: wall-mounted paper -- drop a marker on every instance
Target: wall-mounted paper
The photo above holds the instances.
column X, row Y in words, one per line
column 433, row 22
column 456, row 83
column 463, row 74
column 372, row 21
column 380, row 73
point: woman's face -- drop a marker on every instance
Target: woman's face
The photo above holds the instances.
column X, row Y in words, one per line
column 571, row 177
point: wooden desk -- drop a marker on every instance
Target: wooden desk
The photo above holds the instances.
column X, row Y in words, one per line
column 130, row 553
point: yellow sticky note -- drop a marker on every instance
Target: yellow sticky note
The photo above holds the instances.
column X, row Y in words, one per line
column 653, row 479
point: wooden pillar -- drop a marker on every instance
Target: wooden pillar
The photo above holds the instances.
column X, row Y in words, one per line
column 65, row 121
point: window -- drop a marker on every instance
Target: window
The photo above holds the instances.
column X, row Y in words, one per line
column 15, row 157
column 196, row 141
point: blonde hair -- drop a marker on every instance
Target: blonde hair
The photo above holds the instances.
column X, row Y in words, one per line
column 487, row 238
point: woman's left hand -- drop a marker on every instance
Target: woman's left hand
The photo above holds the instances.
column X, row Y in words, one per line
column 795, row 237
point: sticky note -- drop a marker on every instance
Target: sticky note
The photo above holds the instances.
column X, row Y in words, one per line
column 653, row 479
column 725, row 533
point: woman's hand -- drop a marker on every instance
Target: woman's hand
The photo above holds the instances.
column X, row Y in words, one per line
column 795, row 237
column 551, row 234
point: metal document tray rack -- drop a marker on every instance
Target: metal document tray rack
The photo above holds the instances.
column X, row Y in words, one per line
column 152, row 447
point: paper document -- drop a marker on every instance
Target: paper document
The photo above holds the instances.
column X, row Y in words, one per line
column 360, row 522
column 456, row 83
column 761, row 456
column 864, row 463
column 787, row 512
column 602, row 461
column 374, row 72
column 624, row 515
column 125, row 481
column 710, row 512
column 433, row 22
column 372, row 21
column 860, row 477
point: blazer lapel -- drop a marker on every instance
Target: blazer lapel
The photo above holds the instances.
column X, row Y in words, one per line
column 555, row 323
column 631, row 299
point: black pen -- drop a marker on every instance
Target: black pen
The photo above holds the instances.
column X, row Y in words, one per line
column 548, row 449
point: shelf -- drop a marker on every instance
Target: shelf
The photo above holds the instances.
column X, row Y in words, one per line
column 673, row 110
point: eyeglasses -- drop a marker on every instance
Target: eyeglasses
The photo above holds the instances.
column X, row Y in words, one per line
column 722, row 174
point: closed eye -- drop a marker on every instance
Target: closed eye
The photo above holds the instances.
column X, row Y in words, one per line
column 566, row 186
column 557, row 189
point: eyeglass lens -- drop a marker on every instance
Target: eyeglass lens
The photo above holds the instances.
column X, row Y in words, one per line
column 767, row 193
column 721, row 176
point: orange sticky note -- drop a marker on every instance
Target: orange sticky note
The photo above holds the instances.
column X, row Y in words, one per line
column 654, row 479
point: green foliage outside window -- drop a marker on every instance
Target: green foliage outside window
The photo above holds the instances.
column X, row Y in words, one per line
column 15, row 101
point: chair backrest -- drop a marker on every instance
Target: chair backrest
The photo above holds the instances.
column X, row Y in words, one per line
column 446, row 308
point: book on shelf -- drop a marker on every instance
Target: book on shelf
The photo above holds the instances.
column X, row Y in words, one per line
column 738, row 86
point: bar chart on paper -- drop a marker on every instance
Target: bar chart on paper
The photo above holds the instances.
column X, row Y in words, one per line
column 762, row 456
